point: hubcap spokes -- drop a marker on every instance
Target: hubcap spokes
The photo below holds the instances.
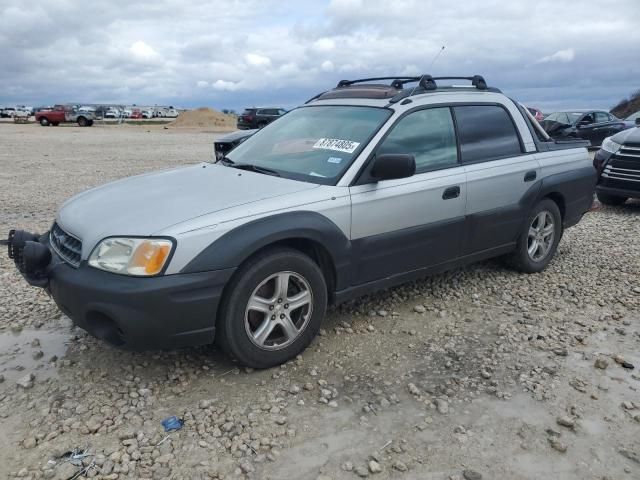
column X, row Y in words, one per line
column 278, row 310
column 541, row 235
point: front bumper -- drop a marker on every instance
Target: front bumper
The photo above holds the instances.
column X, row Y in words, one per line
column 166, row 312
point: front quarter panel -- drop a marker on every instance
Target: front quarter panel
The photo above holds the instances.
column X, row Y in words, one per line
column 229, row 237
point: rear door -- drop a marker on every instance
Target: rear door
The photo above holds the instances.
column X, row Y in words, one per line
column 501, row 176
column 408, row 224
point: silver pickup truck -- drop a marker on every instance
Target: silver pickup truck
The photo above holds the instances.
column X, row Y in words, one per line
column 367, row 185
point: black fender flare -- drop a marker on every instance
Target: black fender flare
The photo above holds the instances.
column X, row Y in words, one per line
column 235, row 246
column 573, row 188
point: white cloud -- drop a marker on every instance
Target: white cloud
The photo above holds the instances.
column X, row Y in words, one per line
column 225, row 85
column 327, row 66
column 324, row 44
column 561, row 56
column 202, row 84
column 256, row 60
column 142, row 52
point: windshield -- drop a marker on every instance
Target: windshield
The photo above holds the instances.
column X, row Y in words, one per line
column 315, row 144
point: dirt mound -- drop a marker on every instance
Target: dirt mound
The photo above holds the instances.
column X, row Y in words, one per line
column 205, row 118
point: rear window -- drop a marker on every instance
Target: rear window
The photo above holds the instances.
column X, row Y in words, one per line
column 486, row 132
column 249, row 111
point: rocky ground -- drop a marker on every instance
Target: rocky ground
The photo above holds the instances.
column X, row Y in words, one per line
column 477, row 373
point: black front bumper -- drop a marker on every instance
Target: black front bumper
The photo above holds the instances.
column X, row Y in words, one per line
column 168, row 311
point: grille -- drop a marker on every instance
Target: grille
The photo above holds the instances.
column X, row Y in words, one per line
column 623, row 170
column 69, row 248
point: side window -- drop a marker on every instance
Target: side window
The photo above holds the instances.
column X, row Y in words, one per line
column 428, row 135
column 602, row 117
column 586, row 120
column 486, row 132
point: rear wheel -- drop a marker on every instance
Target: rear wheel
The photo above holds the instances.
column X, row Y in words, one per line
column 538, row 241
column 44, row 122
column 82, row 121
column 262, row 124
column 612, row 200
column 273, row 308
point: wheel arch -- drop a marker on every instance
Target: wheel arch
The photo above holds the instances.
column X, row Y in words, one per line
column 559, row 200
column 308, row 232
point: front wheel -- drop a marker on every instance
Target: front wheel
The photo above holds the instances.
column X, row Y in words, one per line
column 538, row 241
column 82, row 122
column 612, row 200
column 273, row 308
column 44, row 122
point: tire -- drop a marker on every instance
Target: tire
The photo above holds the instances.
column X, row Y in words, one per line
column 262, row 124
column 239, row 325
column 612, row 200
column 90, row 123
column 536, row 246
column 82, row 122
column 44, row 122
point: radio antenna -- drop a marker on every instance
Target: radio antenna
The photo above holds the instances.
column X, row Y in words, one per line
column 435, row 58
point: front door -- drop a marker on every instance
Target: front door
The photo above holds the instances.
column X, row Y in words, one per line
column 408, row 224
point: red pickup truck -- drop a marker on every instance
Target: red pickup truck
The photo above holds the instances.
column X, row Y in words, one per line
column 64, row 114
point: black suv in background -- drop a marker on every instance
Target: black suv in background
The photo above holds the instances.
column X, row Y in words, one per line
column 258, row 117
column 618, row 163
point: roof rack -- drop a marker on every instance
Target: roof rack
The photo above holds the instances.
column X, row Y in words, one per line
column 425, row 83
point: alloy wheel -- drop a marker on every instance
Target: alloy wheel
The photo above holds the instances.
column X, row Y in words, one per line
column 541, row 236
column 278, row 310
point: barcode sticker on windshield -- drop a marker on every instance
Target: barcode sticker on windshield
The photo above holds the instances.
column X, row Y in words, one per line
column 336, row 144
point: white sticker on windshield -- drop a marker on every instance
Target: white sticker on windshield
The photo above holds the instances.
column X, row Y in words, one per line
column 334, row 160
column 336, row 144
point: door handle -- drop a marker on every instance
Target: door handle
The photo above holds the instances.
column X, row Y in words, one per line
column 451, row 192
column 530, row 176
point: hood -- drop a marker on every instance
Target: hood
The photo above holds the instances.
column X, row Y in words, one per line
column 146, row 204
column 631, row 135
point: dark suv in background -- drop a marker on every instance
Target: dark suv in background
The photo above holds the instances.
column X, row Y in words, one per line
column 258, row 117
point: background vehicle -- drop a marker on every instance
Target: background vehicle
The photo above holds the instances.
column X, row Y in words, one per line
column 253, row 118
column 537, row 114
column 226, row 143
column 8, row 112
column 633, row 119
column 618, row 163
column 136, row 114
column 64, row 114
column 364, row 187
column 591, row 125
column 148, row 114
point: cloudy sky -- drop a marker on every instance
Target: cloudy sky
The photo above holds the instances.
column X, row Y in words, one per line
column 230, row 54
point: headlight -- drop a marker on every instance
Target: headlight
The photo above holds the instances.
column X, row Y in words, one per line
column 610, row 146
column 141, row 257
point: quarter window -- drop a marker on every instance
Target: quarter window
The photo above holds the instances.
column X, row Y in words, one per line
column 428, row 135
column 486, row 132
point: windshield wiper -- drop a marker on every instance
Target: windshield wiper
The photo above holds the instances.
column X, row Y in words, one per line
column 226, row 161
column 253, row 168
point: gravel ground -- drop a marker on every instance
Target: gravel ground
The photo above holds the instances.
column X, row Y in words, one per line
column 478, row 373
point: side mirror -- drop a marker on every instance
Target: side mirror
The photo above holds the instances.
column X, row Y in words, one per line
column 390, row 166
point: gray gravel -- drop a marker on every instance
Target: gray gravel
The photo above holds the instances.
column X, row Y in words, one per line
column 477, row 373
